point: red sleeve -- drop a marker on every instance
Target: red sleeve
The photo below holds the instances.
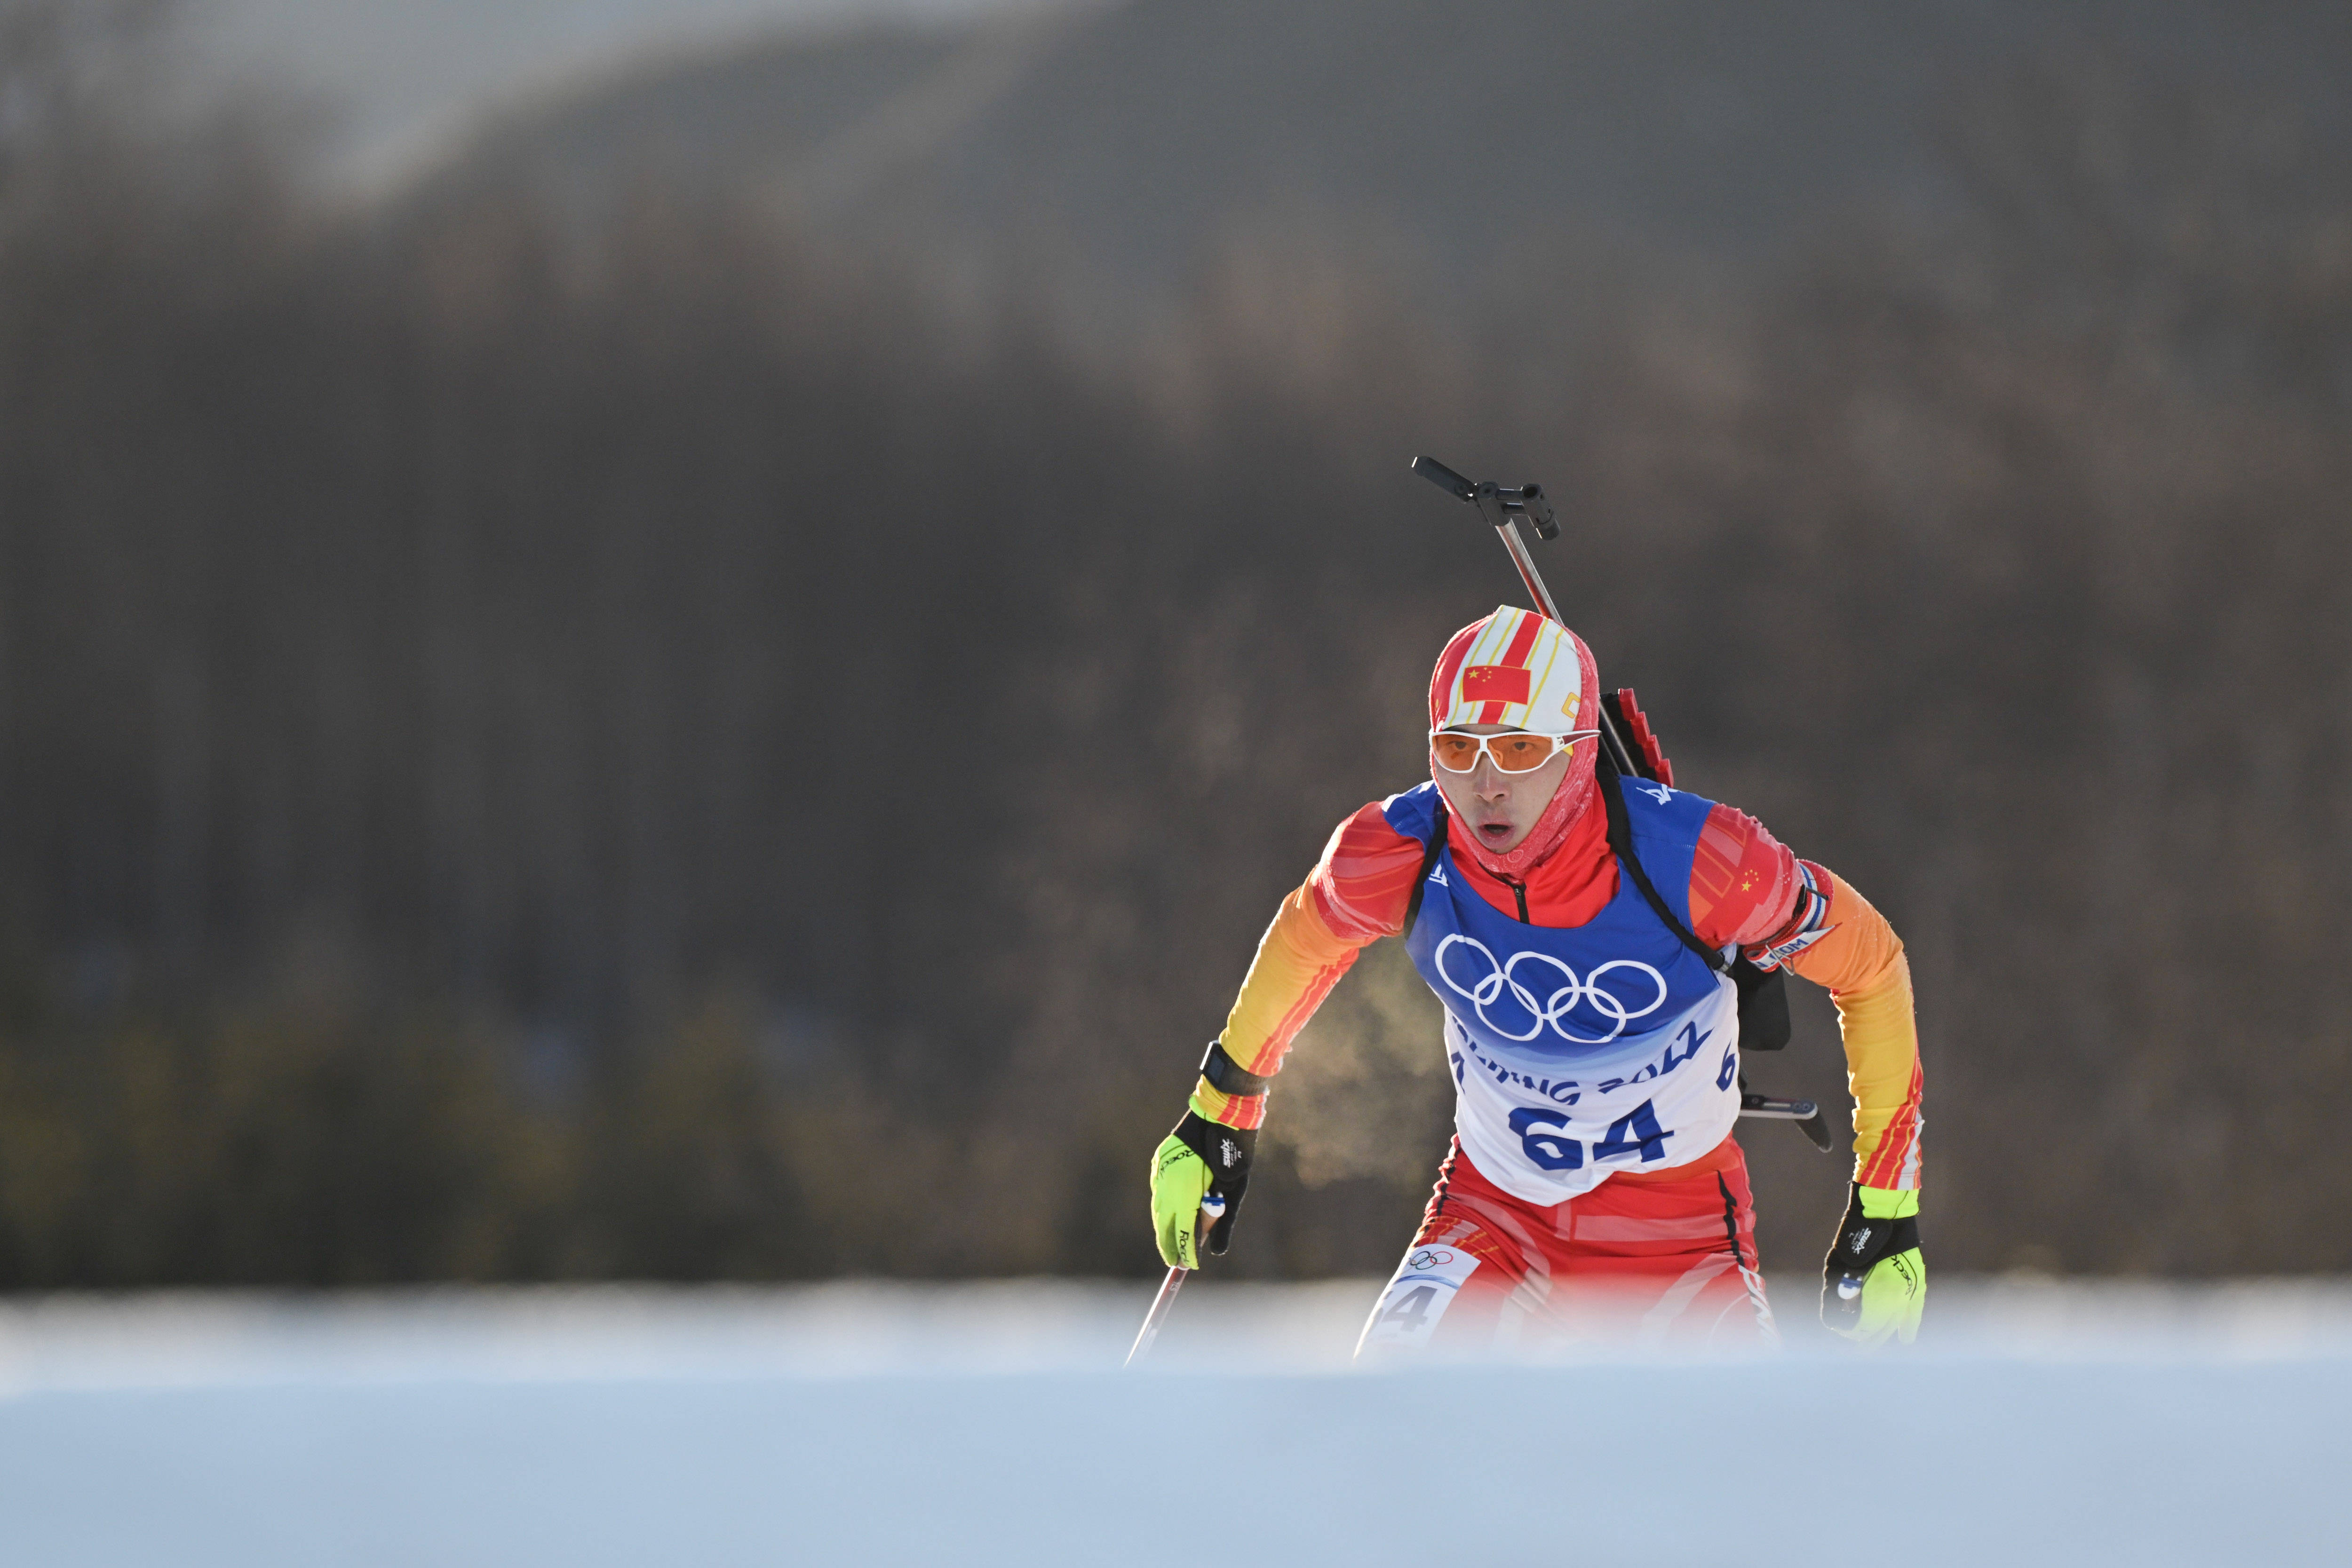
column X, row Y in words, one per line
column 1744, row 882
column 1363, row 883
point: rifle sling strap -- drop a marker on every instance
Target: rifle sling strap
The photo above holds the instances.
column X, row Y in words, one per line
column 1428, row 861
column 1621, row 845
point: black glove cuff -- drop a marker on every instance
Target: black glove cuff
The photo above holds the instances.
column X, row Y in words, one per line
column 1227, row 1151
column 1863, row 1242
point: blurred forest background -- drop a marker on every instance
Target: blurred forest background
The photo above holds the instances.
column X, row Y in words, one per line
column 720, row 682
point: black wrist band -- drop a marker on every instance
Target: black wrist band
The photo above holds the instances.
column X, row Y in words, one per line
column 1225, row 1075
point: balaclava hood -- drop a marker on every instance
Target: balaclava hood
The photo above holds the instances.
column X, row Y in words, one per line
column 1521, row 669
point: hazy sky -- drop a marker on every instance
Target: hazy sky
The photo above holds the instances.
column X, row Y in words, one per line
column 405, row 77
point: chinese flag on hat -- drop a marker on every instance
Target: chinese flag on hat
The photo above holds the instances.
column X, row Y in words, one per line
column 1494, row 683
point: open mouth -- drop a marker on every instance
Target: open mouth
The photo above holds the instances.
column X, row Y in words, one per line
column 1494, row 833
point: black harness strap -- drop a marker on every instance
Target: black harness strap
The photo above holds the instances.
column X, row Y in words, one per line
column 1621, row 843
column 1428, row 860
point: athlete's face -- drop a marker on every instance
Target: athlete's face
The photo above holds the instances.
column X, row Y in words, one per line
column 1499, row 809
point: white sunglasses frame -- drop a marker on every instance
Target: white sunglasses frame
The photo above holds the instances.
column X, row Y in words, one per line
column 1561, row 743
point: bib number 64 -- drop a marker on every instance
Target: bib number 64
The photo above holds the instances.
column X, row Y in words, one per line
column 1543, row 1137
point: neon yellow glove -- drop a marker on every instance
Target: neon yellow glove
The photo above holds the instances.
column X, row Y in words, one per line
column 1201, row 1157
column 1179, row 1182
column 1875, row 1280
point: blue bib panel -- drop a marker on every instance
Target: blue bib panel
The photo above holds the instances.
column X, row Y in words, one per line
column 1580, row 1051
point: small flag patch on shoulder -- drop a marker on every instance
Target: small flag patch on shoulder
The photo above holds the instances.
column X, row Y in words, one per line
column 1494, row 683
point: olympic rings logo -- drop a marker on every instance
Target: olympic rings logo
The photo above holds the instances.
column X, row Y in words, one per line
column 1552, row 1010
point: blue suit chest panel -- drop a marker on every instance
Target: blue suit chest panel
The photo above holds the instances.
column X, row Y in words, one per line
column 1536, row 1002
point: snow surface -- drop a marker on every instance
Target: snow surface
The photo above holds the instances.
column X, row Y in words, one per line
column 990, row 1424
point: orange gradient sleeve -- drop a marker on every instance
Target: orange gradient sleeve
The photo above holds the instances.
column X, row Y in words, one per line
column 1861, row 963
column 1356, row 895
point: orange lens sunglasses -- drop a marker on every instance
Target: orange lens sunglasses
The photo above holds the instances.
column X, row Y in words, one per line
column 1513, row 751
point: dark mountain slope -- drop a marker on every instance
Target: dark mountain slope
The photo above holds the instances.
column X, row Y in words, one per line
column 1121, row 147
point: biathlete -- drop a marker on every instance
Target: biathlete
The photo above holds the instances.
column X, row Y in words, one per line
column 1593, row 1187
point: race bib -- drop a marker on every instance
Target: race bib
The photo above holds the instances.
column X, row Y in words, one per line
column 1425, row 1285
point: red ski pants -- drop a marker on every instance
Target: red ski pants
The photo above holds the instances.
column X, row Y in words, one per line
column 1662, row 1259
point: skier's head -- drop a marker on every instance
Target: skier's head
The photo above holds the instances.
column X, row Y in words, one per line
column 1514, row 672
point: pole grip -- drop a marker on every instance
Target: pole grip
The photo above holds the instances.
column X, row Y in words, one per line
column 1445, row 478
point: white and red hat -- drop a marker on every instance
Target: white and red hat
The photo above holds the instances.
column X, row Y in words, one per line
column 1516, row 668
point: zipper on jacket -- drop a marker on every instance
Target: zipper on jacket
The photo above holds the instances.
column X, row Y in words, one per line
column 1519, row 890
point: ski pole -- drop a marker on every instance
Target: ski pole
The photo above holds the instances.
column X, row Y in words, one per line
column 1212, row 1209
